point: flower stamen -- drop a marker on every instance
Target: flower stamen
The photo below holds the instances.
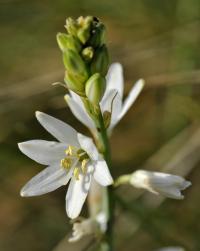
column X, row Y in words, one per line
column 76, row 173
column 84, row 166
column 79, row 156
column 71, row 151
column 66, row 163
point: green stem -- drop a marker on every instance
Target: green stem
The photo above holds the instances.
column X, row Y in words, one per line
column 109, row 208
column 103, row 145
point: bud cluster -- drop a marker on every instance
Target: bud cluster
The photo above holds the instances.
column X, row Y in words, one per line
column 85, row 57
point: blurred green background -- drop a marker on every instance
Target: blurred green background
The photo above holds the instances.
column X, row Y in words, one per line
column 156, row 40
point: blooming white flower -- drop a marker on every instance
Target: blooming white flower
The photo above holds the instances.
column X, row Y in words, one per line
column 89, row 226
column 171, row 249
column 160, row 183
column 111, row 101
column 74, row 157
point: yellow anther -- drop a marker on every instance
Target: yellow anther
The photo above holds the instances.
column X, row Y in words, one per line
column 76, row 173
column 69, row 151
column 83, row 166
column 66, row 163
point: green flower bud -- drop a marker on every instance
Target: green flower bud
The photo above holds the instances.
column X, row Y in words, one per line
column 83, row 34
column 71, row 26
column 85, row 25
column 100, row 61
column 75, row 65
column 98, row 35
column 88, row 53
column 95, row 87
column 85, row 21
column 74, row 84
column 67, row 41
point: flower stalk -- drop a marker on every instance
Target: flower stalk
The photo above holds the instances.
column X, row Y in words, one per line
column 108, row 194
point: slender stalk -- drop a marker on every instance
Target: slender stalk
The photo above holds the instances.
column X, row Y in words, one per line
column 109, row 198
column 103, row 145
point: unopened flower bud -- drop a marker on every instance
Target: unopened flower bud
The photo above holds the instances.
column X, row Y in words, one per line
column 75, row 65
column 160, row 183
column 88, row 21
column 85, row 25
column 83, row 34
column 100, row 61
column 98, row 35
column 88, row 53
column 95, row 87
column 67, row 41
column 74, row 84
column 71, row 26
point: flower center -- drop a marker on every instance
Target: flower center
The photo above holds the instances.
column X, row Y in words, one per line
column 75, row 156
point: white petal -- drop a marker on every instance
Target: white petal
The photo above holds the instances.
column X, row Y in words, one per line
column 77, row 98
column 60, row 130
column 171, row 192
column 102, row 174
column 115, row 78
column 134, row 93
column 87, row 144
column 46, row 181
column 116, row 110
column 42, row 151
column 79, row 113
column 77, row 193
column 107, row 102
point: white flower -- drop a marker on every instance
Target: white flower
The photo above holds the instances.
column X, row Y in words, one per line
column 111, row 101
column 74, row 157
column 88, row 226
column 160, row 183
column 171, row 249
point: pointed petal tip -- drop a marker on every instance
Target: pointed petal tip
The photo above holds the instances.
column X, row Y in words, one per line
column 38, row 114
column 21, row 145
column 141, row 82
column 186, row 184
column 23, row 193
